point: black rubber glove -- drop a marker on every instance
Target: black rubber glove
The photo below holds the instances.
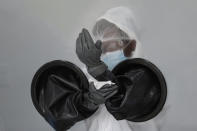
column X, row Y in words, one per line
column 95, row 97
column 89, row 53
column 108, row 90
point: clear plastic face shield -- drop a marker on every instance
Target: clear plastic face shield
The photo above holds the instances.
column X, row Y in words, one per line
column 112, row 37
column 116, row 45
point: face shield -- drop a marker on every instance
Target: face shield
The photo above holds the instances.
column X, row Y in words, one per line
column 112, row 37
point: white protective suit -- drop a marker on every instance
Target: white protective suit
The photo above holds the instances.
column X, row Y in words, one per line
column 123, row 19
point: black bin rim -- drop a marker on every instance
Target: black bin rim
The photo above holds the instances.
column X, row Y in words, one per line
column 162, row 81
column 44, row 68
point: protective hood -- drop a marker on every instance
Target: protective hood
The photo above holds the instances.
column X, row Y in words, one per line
column 122, row 19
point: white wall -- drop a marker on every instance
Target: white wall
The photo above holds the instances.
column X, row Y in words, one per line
column 33, row 32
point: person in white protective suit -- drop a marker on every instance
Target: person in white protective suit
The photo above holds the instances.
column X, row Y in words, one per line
column 117, row 29
column 117, row 90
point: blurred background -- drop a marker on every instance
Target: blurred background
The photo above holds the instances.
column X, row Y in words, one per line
column 33, row 32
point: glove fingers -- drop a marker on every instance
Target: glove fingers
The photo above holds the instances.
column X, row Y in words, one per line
column 81, row 42
column 84, row 42
column 107, row 96
column 109, row 90
column 108, row 87
column 78, row 46
column 88, row 38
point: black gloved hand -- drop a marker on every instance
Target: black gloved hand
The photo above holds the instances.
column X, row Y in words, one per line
column 108, row 90
column 95, row 97
column 89, row 53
